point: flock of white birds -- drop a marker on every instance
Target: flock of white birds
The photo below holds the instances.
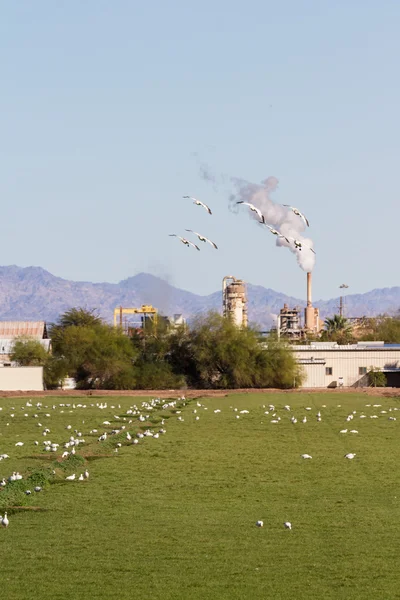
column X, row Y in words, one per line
column 136, row 416
column 288, row 415
column 290, row 240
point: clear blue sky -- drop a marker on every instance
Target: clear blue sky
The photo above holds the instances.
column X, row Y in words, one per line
column 109, row 106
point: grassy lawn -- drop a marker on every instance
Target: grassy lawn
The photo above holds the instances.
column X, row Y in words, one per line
column 174, row 517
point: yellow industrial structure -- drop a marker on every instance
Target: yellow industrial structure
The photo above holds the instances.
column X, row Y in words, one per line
column 146, row 310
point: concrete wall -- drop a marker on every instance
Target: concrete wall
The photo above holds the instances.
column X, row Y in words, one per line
column 21, row 379
column 344, row 363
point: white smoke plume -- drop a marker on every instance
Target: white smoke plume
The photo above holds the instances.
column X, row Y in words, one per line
column 276, row 215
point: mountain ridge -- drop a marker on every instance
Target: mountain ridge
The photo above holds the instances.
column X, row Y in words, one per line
column 32, row 293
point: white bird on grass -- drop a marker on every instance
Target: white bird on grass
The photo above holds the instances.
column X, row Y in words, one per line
column 343, row 431
column 287, row 525
column 254, row 209
column 350, row 455
column 199, row 203
column 86, row 474
column 19, row 444
column 306, row 456
column 184, row 241
column 5, row 522
column 70, row 477
column 202, row 238
column 298, row 213
column 260, row 523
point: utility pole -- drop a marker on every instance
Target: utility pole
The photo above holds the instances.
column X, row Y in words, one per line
column 343, row 286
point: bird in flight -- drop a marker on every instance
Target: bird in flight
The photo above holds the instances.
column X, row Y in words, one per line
column 299, row 245
column 199, row 203
column 184, row 241
column 278, row 233
column 298, row 213
column 202, row 238
column 254, row 209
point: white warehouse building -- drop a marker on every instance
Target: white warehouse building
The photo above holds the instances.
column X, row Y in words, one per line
column 327, row 364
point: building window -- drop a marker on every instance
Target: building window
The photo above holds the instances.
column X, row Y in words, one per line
column 328, row 371
column 362, row 370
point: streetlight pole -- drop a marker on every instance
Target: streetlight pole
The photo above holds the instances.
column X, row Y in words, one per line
column 343, row 286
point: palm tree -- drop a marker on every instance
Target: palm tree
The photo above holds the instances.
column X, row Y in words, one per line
column 337, row 324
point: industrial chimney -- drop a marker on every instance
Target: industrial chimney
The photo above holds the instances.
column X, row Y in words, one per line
column 234, row 299
column 311, row 314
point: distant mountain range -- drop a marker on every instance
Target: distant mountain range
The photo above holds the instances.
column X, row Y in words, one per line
column 35, row 294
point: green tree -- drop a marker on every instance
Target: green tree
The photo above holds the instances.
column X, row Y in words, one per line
column 215, row 353
column 376, row 378
column 382, row 328
column 28, row 352
column 152, row 367
column 338, row 329
column 97, row 355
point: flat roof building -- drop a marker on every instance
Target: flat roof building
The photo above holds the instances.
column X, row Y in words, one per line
column 327, row 364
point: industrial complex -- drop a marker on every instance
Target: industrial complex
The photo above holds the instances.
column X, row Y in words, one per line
column 325, row 364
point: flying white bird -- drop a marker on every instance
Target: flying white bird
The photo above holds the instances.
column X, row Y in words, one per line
column 260, row 523
column 184, row 241
column 299, row 245
column 278, row 233
column 202, row 238
column 287, row 525
column 254, row 209
column 199, row 203
column 298, row 213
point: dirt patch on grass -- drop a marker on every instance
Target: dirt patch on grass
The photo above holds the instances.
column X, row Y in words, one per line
column 384, row 392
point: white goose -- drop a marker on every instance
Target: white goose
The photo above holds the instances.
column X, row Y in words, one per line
column 184, row 241
column 199, row 203
column 203, row 238
column 278, row 233
column 298, row 213
column 254, row 209
column 299, row 245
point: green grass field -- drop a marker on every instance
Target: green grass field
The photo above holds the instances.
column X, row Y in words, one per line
column 174, row 517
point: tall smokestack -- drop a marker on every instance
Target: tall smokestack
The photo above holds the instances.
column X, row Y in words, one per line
column 309, row 313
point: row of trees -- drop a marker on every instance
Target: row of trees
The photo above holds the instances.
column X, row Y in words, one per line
column 211, row 353
column 382, row 328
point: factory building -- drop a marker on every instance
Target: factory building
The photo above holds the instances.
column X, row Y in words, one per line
column 328, row 365
column 234, row 300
